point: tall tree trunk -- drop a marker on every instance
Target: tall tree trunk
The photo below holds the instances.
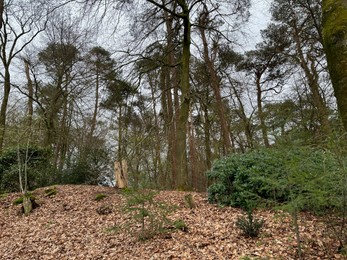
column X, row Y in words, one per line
column 207, row 139
column 30, row 93
column 1, row 12
column 170, row 89
column 335, row 45
column 214, row 81
column 3, row 110
column 182, row 163
column 96, row 105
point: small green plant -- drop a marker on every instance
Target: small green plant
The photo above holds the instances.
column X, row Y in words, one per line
column 189, row 201
column 51, row 191
column 249, row 225
column 151, row 215
column 180, row 225
column 100, row 196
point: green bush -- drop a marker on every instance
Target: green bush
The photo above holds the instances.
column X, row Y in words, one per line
column 38, row 168
column 308, row 176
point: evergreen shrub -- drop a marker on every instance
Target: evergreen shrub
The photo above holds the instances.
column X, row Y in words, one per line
column 38, row 165
column 276, row 176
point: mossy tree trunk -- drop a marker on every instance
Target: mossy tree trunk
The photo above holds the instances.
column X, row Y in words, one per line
column 182, row 163
column 27, row 205
column 335, row 45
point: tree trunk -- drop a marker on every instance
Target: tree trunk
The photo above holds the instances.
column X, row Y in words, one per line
column 171, row 83
column 96, row 105
column 27, row 204
column 3, row 110
column 30, row 94
column 182, row 163
column 261, row 113
column 214, row 81
column 207, row 140
column 335, row 45
column 1, row 12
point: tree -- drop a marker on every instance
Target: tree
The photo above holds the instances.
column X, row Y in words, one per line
column 20, row 26
column 335, row 37
column 266, row 65
column 101, row 66
column 178, row 22
column 303, row 27
column 205, row 22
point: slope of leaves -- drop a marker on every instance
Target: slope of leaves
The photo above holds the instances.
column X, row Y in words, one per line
column 68, row 226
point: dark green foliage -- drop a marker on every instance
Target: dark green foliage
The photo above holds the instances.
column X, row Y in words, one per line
column 305, row 176
column 87, row 169
column 249, row 225
column 39, row 168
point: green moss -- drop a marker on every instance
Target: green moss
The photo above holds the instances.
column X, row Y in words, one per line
column 335, row 45
column 334, row 17
column 19, row 200
column 100, row 196
column 51, row 191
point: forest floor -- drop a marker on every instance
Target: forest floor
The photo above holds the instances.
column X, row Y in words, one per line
column 69, row 225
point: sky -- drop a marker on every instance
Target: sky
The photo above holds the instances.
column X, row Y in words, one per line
column 260, row 17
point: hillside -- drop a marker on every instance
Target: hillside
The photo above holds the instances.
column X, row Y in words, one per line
column 68, row 226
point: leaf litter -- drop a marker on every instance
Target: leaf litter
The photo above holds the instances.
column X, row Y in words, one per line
column 68, row 226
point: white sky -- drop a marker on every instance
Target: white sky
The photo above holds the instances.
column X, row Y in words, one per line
column 260, row 17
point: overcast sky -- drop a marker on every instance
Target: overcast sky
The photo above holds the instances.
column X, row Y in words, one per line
column 260, row 17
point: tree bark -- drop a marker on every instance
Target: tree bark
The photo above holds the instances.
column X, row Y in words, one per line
column 182, row 163
column 1, row 12
column 30, row 93
column 172, row 107
column 96, row 105
column 3, row 110
column 335, row 46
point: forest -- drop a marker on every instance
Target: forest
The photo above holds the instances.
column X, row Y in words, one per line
column 170, row 88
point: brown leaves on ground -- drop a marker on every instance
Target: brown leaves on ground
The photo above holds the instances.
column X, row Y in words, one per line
column 68, row 226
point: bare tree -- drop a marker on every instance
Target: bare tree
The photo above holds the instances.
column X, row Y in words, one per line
column 21, row 25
